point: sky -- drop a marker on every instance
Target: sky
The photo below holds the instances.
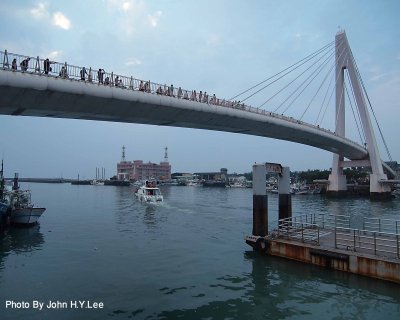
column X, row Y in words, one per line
column 218, row 46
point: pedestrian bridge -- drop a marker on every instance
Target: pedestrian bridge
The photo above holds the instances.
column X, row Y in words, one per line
column 32, row 94
column 63, row 92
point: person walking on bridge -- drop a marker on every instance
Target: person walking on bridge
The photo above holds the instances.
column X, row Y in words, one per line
column 83, row 74
column 100, row 75
column 46, row 66
column 25, row 64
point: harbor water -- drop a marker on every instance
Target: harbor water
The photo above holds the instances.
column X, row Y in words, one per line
column 183, row 259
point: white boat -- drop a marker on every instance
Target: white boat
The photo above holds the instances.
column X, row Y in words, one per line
column 28, row 215
column 22, row 210
column 149, row 193
column 97, row 183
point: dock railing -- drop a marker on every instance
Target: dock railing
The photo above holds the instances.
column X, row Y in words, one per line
column 377, row 236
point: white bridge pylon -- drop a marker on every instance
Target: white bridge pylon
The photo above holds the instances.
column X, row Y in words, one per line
column 337, row 180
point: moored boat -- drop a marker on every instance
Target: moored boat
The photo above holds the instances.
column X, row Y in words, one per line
column 119, row 183
column 22, row 209
column 26, row 215
column 214, row 183
column 4, row 202
column 149, row 193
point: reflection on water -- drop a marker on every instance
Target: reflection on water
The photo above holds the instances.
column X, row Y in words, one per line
column 20, row 240
column 278, row 289
column 183, row 259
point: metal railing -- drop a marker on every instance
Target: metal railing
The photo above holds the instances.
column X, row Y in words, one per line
column 378, row 236
column 304, row 232
column 381, row 225
column 378, row 243
column 324, row 221
column 36, row 65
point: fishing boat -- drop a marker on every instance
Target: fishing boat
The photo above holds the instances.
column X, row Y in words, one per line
column 22, row 209
column 4, row 203
column 149, row 193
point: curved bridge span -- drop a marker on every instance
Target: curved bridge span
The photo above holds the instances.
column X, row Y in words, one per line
column 32, row 94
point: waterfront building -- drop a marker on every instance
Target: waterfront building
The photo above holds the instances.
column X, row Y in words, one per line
column 221, row 175
column 139, row 170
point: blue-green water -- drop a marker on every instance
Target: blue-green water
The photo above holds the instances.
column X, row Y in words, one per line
column 185, row 259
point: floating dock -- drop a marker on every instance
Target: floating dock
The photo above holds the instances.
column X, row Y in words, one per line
column 328, row 241
column 368, row 247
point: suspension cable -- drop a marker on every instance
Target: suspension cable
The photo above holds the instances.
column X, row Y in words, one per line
column 299, row 64
column 327, row 104
column 354, row 115
column 319, row 88
column 315, row 74
column 373, row 112
column 273, row 96
column 358, row 109
column 326, row 94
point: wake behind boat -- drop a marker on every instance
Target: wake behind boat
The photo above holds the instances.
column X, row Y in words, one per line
column 149, row 193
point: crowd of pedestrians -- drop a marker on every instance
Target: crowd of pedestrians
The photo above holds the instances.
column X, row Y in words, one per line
column 144, row 86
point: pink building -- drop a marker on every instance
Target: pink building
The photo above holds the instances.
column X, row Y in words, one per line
column 138, row 170
column 143, row 171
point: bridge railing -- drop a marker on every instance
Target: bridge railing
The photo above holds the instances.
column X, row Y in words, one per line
column 36, row 65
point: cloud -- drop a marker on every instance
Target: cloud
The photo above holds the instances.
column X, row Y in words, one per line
column 128, row 14
column 133, row 62
column 131, row 6
column 126, row 5
column 153, row 19
column 60, row 20
column 53, row 55
column 40, row 11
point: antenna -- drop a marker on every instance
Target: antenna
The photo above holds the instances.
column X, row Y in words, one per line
column 166, row 155
column 123, row 153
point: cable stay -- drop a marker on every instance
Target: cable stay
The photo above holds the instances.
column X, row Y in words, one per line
column 273, row 96
column 319, row 88
column 372, row 109
column 313, row 75
column 326, row 94
column 358, row 109
column 327, row 104
column 354, row 115
column 293, row 67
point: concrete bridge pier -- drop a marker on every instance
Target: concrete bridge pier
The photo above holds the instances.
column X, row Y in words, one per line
column 260, row 201
column 337, row 186
column 377, row 189
column 285, row 198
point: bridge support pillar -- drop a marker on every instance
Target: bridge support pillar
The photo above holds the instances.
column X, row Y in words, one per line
column 337, row 181
column 285, row 198
column 260, row 201
column 337, row 187
column 377, row 190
